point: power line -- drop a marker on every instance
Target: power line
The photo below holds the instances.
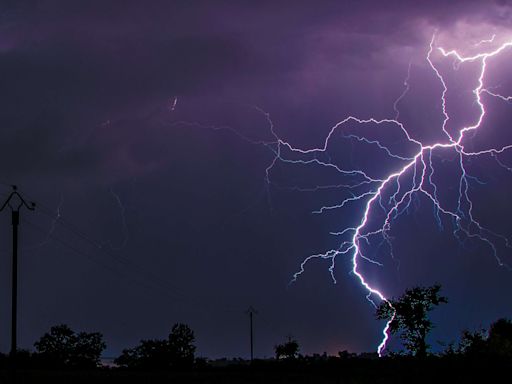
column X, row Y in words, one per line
column 97, row 261
column 145, row 277
column 132, row 272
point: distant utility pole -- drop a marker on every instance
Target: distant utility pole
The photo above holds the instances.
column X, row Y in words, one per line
column 251, row 311
column 15, row 201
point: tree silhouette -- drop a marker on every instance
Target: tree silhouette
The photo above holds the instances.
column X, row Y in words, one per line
column 288, row 350
column 409, row 315
column 62, row 347
column 149, row 354
column 175, row 352
column 500, row 337
column 181, row 345
column 496, row 343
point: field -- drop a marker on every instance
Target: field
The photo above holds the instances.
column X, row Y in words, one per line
column 353, row 371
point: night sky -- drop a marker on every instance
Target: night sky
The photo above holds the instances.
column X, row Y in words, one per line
column 140, row 129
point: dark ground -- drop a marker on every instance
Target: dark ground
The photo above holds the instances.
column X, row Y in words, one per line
column 402, row 370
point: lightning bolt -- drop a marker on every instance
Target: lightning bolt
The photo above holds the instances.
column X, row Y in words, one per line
column 385, row 198
column 406, row 90
column 173, row 103
column 485, row 41
column 394, row 193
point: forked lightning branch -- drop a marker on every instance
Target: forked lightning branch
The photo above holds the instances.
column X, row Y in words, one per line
column 393, row 193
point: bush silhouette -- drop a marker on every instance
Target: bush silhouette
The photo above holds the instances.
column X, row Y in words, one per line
column 288, row 350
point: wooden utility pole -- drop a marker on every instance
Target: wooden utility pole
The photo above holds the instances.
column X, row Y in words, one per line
column 251, row 311
column 15, row 201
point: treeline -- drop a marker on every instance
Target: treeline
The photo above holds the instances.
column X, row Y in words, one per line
column 61, row 348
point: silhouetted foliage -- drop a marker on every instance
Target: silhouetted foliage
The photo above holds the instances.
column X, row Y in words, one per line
column 62, row 347
column 500, row 337
column 288, row 350
column 24, row 360
column 181, row 345
column 496, row 343
column 409, row 314
column 175, row 352
column 346, row 355
column 150, row 354
column 473, row 343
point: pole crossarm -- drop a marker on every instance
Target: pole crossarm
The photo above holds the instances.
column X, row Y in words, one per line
column 21, row 201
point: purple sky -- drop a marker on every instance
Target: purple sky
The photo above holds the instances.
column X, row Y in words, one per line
column 165, row 214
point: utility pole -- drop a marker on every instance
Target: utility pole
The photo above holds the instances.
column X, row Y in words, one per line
column 15, row 201
column 251, row 311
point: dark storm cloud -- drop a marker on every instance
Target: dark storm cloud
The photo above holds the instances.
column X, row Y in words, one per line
column 86, row 90
column 82, row 64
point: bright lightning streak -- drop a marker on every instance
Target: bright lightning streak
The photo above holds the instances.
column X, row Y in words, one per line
column 173, row 103
column 421, row 181
column 484, row 41
column 406, row 90
column 504, row 98
column 394, row 192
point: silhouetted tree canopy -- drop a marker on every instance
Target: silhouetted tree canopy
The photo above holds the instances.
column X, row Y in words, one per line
column 178, row 351
column 288, row 350
column 62, row 347
column 147, row 355
column 181, row 345
column 409, row 315
column 496, row 343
